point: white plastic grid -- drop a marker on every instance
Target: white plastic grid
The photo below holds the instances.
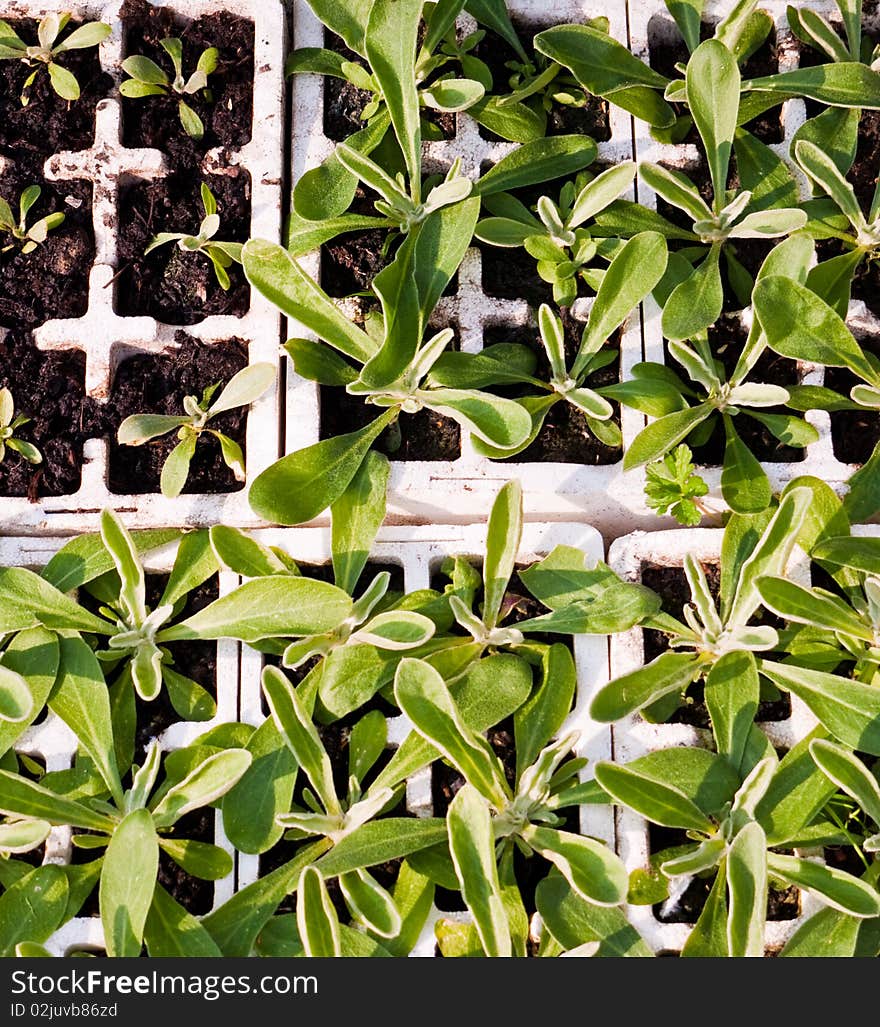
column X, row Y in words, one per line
column 650, row 23
column 53, row 742
column 107, row 338
column 419, row 552
column 459, row 490
column 634, row 736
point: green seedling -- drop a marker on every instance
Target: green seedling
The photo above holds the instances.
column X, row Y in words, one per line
column 10, row 422
column 241, row 390
column 26, row 238
column 149, row 79
column 44, row 55
column 221, row 254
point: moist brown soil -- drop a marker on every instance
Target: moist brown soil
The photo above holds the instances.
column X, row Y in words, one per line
column 781, row 905
column 170, row 285
column 727, row 339
column 509, row 273
column 671, row 585
column 565, row 436
column 350, row 262
column 854, row 433
column 48, row 387
column 53, row 280
column 664, row 53
column 157, row 385
column 49, row 124
column 227, row 116
column 425, row 435
column 591, row 119
column 344, row 103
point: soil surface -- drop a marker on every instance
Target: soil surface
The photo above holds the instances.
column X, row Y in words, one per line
column 591, row 119
column 157, row 385
column 350, row 262
column 664, row 53
column 854, row 433
column 53, row 280
column 227, row 115
column 173, row 286
column 671, row 585
column 566, row 436
column 48, row 387
column 49, row 124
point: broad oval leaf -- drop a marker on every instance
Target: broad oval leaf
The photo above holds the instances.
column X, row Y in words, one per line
column 128, row 880
column 840, row 890
column 472, row 846
column 590, row 867
column 272, row 607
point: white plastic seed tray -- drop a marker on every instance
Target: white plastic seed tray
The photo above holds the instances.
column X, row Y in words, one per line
column 634, row 737
column 54, row 743
column 107, row 338
column 419, row 552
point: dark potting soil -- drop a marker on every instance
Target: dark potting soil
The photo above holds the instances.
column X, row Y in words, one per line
column 48, row 387
column 509, row 273
column 344, row 103
column 227, row 115
column 854, row 433
column 666, row 48
column 863, row 173
column 591, row 119
column 53, row 280
column 157, row 385
column 671, row 585
column 566, row 436
column 350, row 262
column 727, row 338
column 781, row 904
column 170, row 285
column 425, row 435
column 49, row 124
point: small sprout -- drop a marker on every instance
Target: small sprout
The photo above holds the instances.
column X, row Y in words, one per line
column 673, row 488
column 221, row 254
column 26, row 238
column 149, row 79
column 9, row 425
column 44, row 55
column 242, row 389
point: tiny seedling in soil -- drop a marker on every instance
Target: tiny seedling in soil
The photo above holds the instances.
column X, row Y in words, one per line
column 46, row 52
column 10, row 422
column 242, row 389
column 221, row 254
column 25, row 237
column 149, row 79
